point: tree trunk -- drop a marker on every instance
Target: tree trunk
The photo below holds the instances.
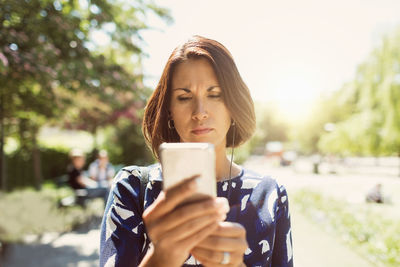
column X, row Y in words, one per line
column 37, row 168
column 94, row 134
column 3, row 175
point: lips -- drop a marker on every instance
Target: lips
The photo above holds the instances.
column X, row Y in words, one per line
column 200, row 131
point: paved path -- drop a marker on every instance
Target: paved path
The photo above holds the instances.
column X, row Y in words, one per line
column 75, row 249
column 313, row 247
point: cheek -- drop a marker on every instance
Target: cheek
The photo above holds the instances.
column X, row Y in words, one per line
column 175, row 109
column 179, row 117
column 227, row 123
column 225, row 118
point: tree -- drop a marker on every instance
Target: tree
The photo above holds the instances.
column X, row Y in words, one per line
column 375, row 93
column 329, row 109
column 270, row 127
column 48, row 61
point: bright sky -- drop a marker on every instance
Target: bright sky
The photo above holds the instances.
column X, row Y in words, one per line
column 287, row 52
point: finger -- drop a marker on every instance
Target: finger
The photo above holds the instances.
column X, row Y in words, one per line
column 215, row 258
column 207, row 263
column 218, row 207
column 167, row 200
column 230, row 229
column 200, row 235
column 189, row 242
column 189, row 228
column 223, row 244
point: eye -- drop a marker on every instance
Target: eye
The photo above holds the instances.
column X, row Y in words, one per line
column 215, row 96
column 184, row 98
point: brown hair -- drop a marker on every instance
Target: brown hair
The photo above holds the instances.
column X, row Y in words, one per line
column 235, row 94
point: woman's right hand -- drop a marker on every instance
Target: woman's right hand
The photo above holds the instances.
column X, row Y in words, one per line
column 173, row 229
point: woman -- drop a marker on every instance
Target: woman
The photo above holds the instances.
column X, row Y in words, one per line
column 199, row 98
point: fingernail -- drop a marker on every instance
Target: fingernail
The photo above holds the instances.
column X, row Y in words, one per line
column 221, row 217
column 192, row 184
column 223, row 204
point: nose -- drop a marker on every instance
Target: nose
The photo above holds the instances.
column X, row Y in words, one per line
column 199, row 111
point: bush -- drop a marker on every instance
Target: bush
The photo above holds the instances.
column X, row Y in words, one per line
column 29, row 212
column 376, row 236
column 19, row 166
column 126, row 145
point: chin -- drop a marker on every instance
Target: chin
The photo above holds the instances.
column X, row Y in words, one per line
column 199, row 140
column 208, row 140
column 203, row 139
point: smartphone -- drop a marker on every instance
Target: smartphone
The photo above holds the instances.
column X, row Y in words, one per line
column 184, row 160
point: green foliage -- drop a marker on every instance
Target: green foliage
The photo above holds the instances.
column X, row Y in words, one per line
column 46, row 60
column 242, row 153
column 329, row 109
column 53, row 70
column 54, row 162
column 269, row 126
column 28, row 212
column 373, row 127
column 20, row 165
column 376, row 236
column 126, row 145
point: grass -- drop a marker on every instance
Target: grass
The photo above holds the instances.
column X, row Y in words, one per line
column 30, row 212
column 363, row 226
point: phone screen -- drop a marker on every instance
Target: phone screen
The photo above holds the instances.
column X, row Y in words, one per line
column 184, row 160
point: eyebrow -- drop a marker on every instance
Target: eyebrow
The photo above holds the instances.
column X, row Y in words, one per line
column 188, row 91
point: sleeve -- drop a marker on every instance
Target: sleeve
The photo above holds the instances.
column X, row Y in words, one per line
column 93, row 170
column 123, row 239
column 283, row 251
column 110, row 171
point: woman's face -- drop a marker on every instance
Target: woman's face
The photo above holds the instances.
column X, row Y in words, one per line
column 197, row 108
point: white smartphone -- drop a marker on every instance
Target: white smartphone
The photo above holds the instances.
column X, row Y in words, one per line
column 184, row 160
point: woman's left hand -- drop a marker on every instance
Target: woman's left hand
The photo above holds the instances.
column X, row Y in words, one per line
column 228, row 238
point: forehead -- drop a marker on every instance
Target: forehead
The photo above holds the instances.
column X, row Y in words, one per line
column 190, row 71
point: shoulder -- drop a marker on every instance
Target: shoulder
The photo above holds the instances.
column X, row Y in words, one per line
column 137, row 172
column 131, row 176
column 251, row 179
column 126, row 185
column 264, row 185
column 94, row 163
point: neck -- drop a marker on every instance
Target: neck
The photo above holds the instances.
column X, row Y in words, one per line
column 222, row 165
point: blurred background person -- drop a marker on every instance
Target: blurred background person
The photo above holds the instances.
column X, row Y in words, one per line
column 76, row 176
column 375, row 194
column 101, row 170
column 85, row 188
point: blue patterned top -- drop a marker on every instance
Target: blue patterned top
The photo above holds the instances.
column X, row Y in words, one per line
column 257, row 202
